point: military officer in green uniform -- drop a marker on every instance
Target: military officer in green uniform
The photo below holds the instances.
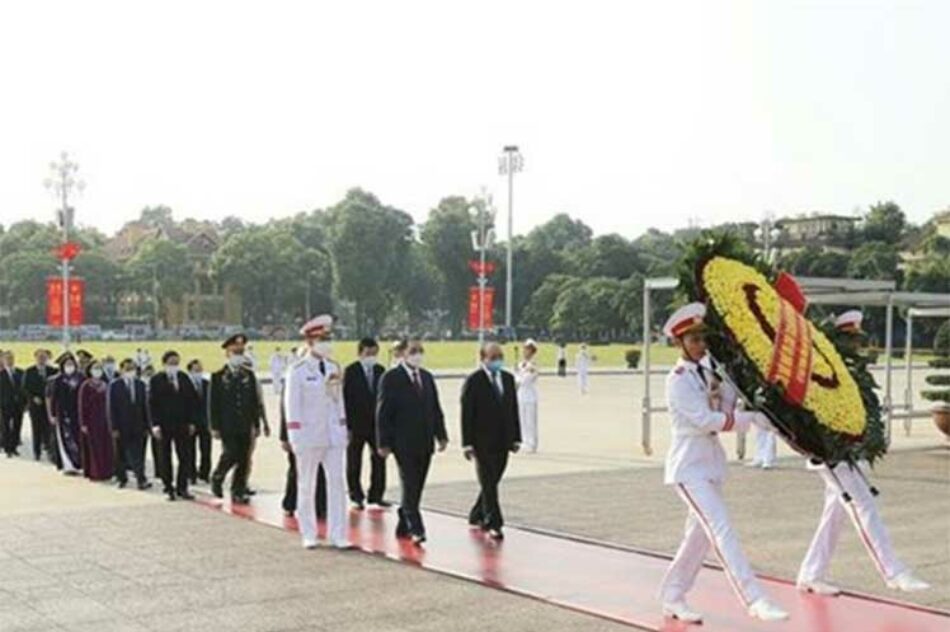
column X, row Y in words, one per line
column 234, row 414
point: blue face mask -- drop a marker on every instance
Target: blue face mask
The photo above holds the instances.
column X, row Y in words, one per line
column 495, row 365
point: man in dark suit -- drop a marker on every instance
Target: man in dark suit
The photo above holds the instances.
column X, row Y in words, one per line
column 234, row 413
column 128, row 414
column 34, row 385
column 409, row 422
column 201, row 441
column 171, row 404
column 360, row 385
column 12, row 403
column 490, row 430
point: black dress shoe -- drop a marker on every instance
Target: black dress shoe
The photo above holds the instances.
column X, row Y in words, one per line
column 122, row 484
column 418, row 538
column 250, row 492
column 358, row 505
column 186, row 495
column 171, row 495
column 143, row 485
column 240, row 499
column 216, row 489
column 496, row 534
column 382, row 504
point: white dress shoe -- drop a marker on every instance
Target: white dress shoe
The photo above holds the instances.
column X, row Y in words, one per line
column 907, row 582
column 680, row 610
column 766, row 611
column 343, row 545
column 819, row 588
column 309, row 544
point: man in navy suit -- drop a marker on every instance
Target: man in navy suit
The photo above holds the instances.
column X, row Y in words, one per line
column 171, row 407
column 360, row 385
column 128, row 414
column 201, row 441
column 409, row 424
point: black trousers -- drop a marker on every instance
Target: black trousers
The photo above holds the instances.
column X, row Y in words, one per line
column 201, row 445
column 413, row 470
column 10, row 423
column 490, row 467
column 179, row 438
column 354, row 470
column 289, row 501
column 39, row 428
column 562, row 368
column 130, row 455
column 235, row 453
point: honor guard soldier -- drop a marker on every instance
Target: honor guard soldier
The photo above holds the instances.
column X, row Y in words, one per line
column 234, row 415
column 701, row 407
column 848, row 493
column 316, row 430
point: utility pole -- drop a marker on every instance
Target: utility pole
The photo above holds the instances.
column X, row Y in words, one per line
column 483, row 238
column 62, row 181
column 509, row 163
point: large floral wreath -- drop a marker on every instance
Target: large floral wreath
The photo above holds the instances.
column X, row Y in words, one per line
column 823, row 404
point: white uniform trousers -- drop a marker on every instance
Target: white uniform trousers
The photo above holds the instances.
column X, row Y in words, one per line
column 528, row 412
column 708, row 524
column 863, row 513
column 766, row 446
column 582, row 375
column 309, row 459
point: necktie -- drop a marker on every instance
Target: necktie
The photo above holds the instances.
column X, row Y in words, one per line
column 369, row 379
column 496, row 381
column 131, row 386
column 323, row 368
column 416, row 382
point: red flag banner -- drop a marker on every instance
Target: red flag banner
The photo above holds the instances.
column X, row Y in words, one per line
column 474, row 320
column 68, row 251
column 54, row 301
column 55, row 312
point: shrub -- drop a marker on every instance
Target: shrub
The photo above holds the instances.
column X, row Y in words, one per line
column 632, row 356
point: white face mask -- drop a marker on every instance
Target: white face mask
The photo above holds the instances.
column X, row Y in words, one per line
column 196, row 375
column 129, row 375
column 96, row 373
column 414, row 360
column 108, row 366
column 322, row 348
column 171, row 370
column 369, row 362
column 236, row 360
column 69, row 369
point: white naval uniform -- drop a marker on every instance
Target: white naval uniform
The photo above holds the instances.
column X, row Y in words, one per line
column 863, row 513
column 278, row 364
column 696, row 465
column 316, row 430
column 582, row 364
column 527, row 378
column 766, row 446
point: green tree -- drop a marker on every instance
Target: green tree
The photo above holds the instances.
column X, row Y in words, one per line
column 105, row 283
column 23, row 280
column 160, row 270
column 608, row 256
column 447, row 243
column 885, row 222
column 874, row 260
column 370, row 246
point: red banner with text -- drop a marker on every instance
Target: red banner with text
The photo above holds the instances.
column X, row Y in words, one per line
column 55, row 311
column 474, row 315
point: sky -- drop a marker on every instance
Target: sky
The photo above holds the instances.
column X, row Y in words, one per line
column 628, row 114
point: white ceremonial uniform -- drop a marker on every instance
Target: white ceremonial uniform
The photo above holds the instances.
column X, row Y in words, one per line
column 863, row 513
column 766, row 446
column 277, row 366
column 696, row 465
column 527, row 377
column 316, row 430
column 582, row 364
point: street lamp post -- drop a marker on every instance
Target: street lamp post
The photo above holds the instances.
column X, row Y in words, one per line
column 509, row 163
column 767, row 233
column 62, row 181
column 482, row 239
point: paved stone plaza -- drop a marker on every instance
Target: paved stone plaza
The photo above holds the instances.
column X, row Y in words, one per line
column 81, row 556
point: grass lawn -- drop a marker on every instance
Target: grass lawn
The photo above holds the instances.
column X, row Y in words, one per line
column 439, row 355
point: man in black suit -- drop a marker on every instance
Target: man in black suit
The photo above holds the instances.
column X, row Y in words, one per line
column 12, row 403
column 201, row 441
column 360, row 385
column 34, row 385
column 128, row 414
column 234, row 413
column 490, row 430
column 171, row 404
column 409, row 422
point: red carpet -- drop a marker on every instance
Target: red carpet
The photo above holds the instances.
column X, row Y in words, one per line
column 610, row 582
